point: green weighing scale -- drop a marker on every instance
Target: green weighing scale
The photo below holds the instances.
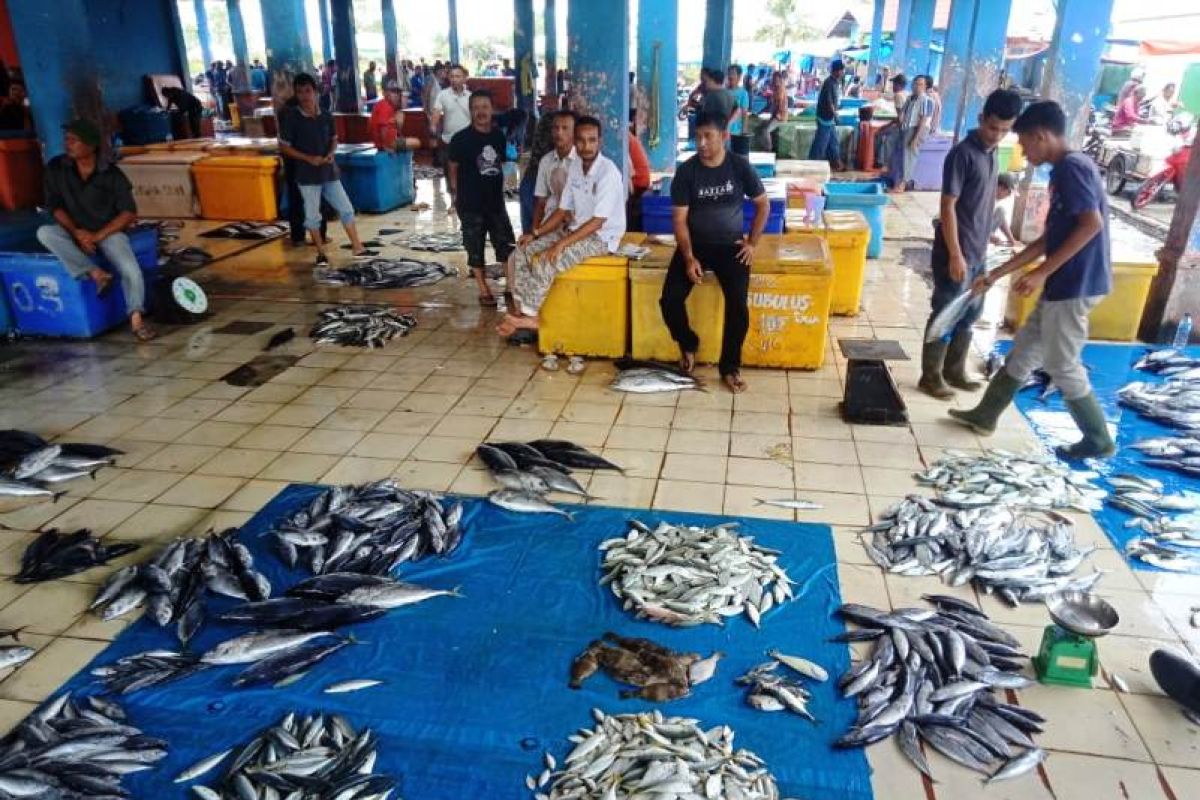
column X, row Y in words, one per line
column 1068, row 654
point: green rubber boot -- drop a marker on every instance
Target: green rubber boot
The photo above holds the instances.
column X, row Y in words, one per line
column 933, row 357
column 982, row 418
column 955, row 370
column 1096, row 442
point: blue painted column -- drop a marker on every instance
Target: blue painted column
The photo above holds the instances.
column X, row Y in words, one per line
column 986, row 59
column 718, row 34
column 237, row 31
column 598, row 58
column 920, row 36
column 345, row 52
column 452, row 36
column 326, row 31
column 956, row 62
column 202, row 31
column 1073, row 61
column 900, row 38
column 657, row 63
column 391, row 40
column 285, row 27
column 523, row 56
column 876, row 43
column 550, row 20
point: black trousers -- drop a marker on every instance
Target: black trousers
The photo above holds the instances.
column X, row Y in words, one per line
column 478, row 227
column 734, row 278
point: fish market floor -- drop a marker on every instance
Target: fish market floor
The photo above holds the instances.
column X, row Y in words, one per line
column 201, row 453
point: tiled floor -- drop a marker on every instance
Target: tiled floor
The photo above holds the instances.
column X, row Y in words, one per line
column 201, row 453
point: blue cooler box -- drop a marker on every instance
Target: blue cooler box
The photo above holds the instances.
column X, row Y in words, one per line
column 656, row 208
column 868, row 198
column 377, row 181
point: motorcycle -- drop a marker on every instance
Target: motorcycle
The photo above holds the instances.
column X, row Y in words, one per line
column 1099, row 129
column 1174, row 168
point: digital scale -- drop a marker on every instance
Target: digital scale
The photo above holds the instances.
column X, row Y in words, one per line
column 1068, row 654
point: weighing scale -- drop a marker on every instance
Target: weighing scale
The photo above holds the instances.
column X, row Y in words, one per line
column 871, row 396
column 1068, row 654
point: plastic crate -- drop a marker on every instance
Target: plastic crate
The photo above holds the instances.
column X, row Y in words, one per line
column 865, row 197
column 586, row 312
column 144, row 125
column 377, row 181
column 790, row 288
column 237, row 187
column 649, row 337
column 927, row 174
column 1117, row 317
column 20, row 174
column 162, row 182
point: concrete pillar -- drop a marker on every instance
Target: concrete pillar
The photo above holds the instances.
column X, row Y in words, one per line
column 237, row 31
column 550, row 20
column 598, row 58
column 326, row 31
column 986, row 61
column 53, row 39
column 202, row 31
column 345, row 51
column 876, row 43
column 956, row 62
column 286, row 29
column 452, row 36
column 718, row 34
column 657, row 62
column 391, row 40
column 920, row 35
column 1176, row 288
column 900, row 38
column 523, row 56
column 1073, row 60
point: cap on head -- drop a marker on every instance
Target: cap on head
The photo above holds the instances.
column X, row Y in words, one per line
column 84, row 130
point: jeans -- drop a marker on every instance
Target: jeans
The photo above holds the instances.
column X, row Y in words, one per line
column 334, row 194
column 295, row 200
column 825, row 145
column 116, row 250
column 1053, row 338
column 478, row 227
column 734, row 278
column 945, row 288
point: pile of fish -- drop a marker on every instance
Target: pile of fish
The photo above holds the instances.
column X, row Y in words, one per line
column 1175, row 402
column 57, row 555
column 1169, row 447
column 143, row 670
column 360, row 326
column 433, row 242
column 651, row 379
column 30, row 466
column 173, row 583
column 649, row 755
column 1169, row 362
column 932, row 675
column 529, row 471
column 966, row 480
column 1168, row 542
column 687, row 575
column 370, row 529
column 1020, row 557
column 767, row 690
column 315, row 757
column 75, row 749
column 659, row 673
column 387, row 273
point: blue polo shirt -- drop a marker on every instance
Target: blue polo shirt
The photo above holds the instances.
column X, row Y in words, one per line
column 1076, row 188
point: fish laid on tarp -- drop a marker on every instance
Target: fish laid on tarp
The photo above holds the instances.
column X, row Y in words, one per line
column 659, row 673
column 1174, row 402
column 688, row 575
column 1038, row 481
column 653, row 756
column 1168, row 447
column 53, row 555
column 768, row 689
column 360, row 326
column 371, row 529
column 1020, row 557
column 387, row 273
column 1167, row 362
column 933, row 676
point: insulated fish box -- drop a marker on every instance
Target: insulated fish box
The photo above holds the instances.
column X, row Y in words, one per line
column 1117, row 317
column 849, row 235
column 790, row 288
column 162, row 182
column 865, row 197
column 237, row 187
column 377, row 181
column 650, row 339
column 586, row 312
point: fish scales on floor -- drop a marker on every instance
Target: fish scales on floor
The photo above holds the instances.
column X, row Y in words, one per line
column 74, row 748
column 56, row 555
column 360, row 326
column 314, row 757
column 932, row 676
column 659, row 673
column 684, row 575
column 528, row 471
column 1039, row 481
column 370, row 529
column 387, row 273
column 1019, row 557
column 653, row 756
column 32, row 468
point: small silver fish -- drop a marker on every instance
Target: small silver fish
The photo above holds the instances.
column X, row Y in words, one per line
column 797, row 505
column 351, row 686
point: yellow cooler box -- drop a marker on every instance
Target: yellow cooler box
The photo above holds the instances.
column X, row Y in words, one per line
column 1117, row 317
column 848, row 234
column 162, row 182
column 705, row 305
column 587, row 310
column 237, row 187
column 790, row 288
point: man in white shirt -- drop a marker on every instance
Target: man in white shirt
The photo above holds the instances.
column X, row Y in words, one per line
column 451, row 114
column 589, row 221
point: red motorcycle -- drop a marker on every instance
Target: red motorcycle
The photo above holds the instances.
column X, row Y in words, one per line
column 1174, row 168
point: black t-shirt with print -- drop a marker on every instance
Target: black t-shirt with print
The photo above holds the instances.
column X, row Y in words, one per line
column 480, row 159
column 714, row 197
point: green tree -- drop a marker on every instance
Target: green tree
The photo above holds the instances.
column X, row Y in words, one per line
column 786, row 24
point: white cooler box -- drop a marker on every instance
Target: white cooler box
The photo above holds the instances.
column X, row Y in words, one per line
column 162, row 183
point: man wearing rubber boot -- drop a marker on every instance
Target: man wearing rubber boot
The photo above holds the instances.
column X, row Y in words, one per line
column 1179, row 678
column 960, row 241
column 1074, row 275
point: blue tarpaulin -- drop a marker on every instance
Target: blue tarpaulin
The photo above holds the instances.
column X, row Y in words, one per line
column 476, row 688
column 1110, row 367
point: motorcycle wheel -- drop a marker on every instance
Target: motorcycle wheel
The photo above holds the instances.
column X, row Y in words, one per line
column 1114, row 176
column 1149, row 190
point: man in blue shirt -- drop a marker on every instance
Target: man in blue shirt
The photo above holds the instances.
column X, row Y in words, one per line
column 1074, row 275
column 733, row 82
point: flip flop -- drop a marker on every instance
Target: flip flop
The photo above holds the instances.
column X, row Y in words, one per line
column 576, row 365
column 522, row 336
column 550, row 363
column 144, row 333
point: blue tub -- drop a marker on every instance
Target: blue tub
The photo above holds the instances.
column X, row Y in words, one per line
column 377, row 181
column 656, row 211
column 18, row 229
column 868, row 198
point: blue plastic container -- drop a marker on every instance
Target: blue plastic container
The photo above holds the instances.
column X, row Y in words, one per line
column 865, row 197
column 18, row 229
column 656, row 214
column 377, row 181
column 144, row 125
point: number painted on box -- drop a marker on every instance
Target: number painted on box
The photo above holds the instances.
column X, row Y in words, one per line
column 21, row 297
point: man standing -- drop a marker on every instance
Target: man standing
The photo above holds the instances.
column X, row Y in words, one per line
column 914, row 121
column 477, row 184
column 92, row 203
column 960, row 241
column 369, row 86
column 1075, row 274
column 741, row 99
column 590, row 221
column 451, row 114
column 717, row 99
column 707, row 195
column 387, row 120
column 825, row 145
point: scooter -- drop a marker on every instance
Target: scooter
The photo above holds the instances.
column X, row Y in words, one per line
column 1099, row 129
column 1174, row 167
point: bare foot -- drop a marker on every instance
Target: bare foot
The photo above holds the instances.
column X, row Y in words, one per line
column 735, row 383
column 524, row 323
column 506, row 328
column 687, row 362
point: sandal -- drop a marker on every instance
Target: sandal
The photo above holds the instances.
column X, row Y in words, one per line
column 144, row 333
column 550, row 363
column 322, row 260
column 576, row 365
column 733, row 381
column 522, row 336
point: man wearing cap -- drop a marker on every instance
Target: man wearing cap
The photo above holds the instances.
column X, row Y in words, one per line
column 92, row 203
column 825, row 143
column 387, row 120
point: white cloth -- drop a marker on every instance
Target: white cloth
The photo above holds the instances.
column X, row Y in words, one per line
column 552, row 178
column 598, row 193
column 456, row 111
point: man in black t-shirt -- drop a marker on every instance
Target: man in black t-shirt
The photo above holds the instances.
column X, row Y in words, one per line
column 707, row 196
column 825, row 143
column 477, row 183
